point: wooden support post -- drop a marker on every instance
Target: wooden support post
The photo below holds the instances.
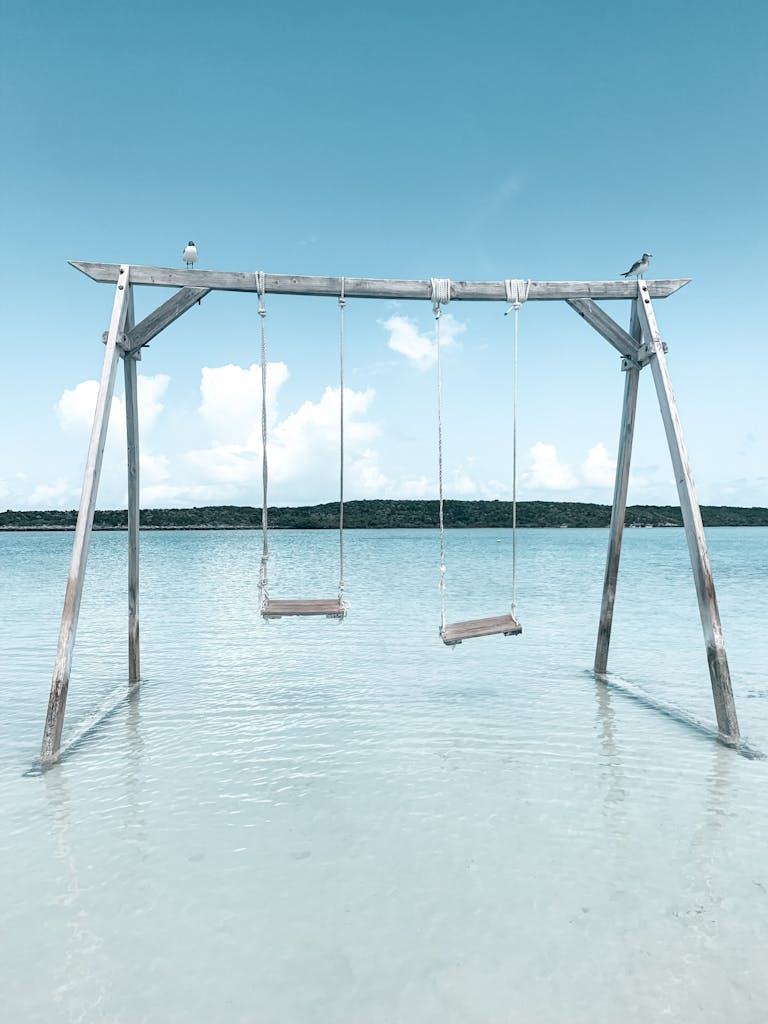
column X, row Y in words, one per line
column 722, row 692
column 68, row 629
column 132, row 437
column 618, row 513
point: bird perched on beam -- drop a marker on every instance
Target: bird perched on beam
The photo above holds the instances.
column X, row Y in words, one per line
column 190, row 255
column 639, row 267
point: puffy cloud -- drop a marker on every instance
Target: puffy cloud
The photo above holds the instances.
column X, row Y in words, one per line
column 75, row 410
column 366, row 476
column 420, row 349
column 418, row 487
column 547, row 472
column 60, row 494
column 461, row 483
column 151, row 392
column 598, row 469
column 302, row 448
column 76, row 407
column 153, row 468
column 231, row 399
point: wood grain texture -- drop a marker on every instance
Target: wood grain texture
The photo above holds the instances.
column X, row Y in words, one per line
column 332, row 608
column 454, row 632
column 373, row 288
column 618, row 513
column 161, row 317
column 719, row 672
column 60, row 684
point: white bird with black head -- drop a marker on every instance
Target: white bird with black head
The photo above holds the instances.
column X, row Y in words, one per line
column 639, row 267
column 190, row 255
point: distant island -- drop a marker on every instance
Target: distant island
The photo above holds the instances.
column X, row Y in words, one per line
column 383, row 514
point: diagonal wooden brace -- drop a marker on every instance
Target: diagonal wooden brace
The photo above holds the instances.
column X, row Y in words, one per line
column 161, row 317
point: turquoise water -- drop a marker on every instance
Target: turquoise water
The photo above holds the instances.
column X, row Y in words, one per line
column 312, row 822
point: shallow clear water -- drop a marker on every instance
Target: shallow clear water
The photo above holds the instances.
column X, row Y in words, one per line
column 305, row 821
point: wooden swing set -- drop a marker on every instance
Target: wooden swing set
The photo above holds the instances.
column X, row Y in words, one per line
column 639, row 347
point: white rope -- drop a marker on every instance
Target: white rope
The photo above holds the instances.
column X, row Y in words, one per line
column 342, row 302
column 517, row 293
column 441, row 294
column 263, row 581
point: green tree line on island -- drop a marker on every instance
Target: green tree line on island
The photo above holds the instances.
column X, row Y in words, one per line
column 388, row 514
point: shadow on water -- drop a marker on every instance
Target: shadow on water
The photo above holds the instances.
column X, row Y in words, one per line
column 676, row 714
column 90, row 727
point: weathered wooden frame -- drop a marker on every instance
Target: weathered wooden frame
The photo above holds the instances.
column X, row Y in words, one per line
column 640, row 346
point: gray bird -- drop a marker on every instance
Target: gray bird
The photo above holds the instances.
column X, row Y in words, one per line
column 639, row 267
column 190, row 255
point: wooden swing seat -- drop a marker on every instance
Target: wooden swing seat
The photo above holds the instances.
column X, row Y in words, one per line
column 332, row 608
column 454, row 632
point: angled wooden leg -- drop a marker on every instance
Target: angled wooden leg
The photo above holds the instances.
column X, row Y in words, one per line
column 68, row 629
column 619, row 508
column 722, row 691
column 132, row 435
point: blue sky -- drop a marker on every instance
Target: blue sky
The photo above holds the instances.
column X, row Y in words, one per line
column 482, row 141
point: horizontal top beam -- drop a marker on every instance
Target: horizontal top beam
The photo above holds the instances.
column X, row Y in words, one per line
column 372, row 288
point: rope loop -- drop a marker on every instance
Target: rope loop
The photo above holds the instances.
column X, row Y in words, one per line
column 342, row 299
column 261, row 283
column 517, row 292
column 441, row 293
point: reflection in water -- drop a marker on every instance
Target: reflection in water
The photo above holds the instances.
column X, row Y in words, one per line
column 78, row 983
column 615, row 794
column 701, row 899
column 81, row 973
column 414, row 835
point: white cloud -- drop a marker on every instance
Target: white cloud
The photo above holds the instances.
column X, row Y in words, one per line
column 421, row 349
column 417, row 487
column 231, row 399
column 153, row 468
column 598, row 468
column 462, row 483
column 302, row 448
column 76, row 407
column 151, row 391
column 547, row 472
column 366, row 476
column 60, row 494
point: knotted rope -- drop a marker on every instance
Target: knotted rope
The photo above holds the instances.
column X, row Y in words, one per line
column 263, row 581
column 517, row 293
column 441, row 295
column 342, row 303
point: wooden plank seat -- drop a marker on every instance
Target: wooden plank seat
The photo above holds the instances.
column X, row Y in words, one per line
column 454, row 632
column 332, row 608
